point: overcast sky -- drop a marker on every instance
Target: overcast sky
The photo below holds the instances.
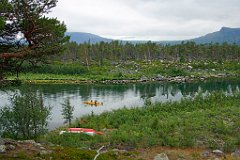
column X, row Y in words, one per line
column 148, row 19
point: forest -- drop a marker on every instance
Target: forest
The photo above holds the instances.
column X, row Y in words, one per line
column 121, row 51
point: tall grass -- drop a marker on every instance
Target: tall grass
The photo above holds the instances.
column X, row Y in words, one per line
column 211, row 122
column 62, row 69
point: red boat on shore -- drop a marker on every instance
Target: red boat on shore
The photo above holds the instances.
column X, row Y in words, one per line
column 87, row 131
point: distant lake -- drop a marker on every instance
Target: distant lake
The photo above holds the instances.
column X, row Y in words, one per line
column 115, row 96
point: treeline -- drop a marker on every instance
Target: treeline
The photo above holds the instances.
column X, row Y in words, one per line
column 120, row 51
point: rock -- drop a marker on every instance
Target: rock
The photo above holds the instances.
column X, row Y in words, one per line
column 143, row 79
column 161, row 156
column 190, row 67
column 50, row 144
column 206, row 154
column 221, row 75
column 28, row 141
column 10, row 147
column 42, row 148
column 45, row 152
column 2, row 142
column 159, row 77
column 2, row 148
column 218, row 152
column 38, row 144
column 119, row 151
column 236, row 154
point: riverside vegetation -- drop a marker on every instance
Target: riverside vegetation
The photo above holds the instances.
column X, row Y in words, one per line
column 207, row 122
column 126, row 61
column 134, row 71
column 203, row 122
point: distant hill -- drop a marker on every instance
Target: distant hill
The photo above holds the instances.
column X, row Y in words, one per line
column 225, row 34
column 81, row 37
column 229, row 35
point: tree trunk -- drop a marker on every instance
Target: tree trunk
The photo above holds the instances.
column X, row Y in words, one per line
column 149, row 55
column 18, row 69
column 86, row 59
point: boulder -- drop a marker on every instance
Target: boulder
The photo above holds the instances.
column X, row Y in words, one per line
column 38, row 144
column 218, row 152
column 159, row 77
column 45, row 152
column 2, row 148
column 236, row 154
column 28, row 141
column 206, row 154
column 143, row 79
column 10, row 147
column 161, row 156
column 2, row 142
column 190, row 67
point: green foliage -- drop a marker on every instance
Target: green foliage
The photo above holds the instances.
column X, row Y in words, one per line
column 2, row 23
column 69, row 153
column 57, row 68
column 41, row 36
column 211, row 121
column 125, row 70
column 177, row 72
column 120, row 52
column 25, row 118
column 147, row 102
column 71, row 140
column 67, row 111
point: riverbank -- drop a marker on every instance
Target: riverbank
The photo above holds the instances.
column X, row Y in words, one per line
column 158, row 78
column 199, row 128
column 210, row 124
column 31, row 150
column 128, row 72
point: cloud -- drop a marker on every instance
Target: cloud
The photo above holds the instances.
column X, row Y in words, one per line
column 148, row 19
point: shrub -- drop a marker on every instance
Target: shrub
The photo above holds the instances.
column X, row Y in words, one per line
column 25, row 118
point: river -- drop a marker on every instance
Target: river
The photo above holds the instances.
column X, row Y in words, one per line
column 114, row 96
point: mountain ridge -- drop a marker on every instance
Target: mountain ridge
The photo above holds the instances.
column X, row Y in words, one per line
column 225, row 34
column 83, row 37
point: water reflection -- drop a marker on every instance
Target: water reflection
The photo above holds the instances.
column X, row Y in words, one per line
column 114, row 96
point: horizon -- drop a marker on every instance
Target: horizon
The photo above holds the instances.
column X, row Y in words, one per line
column 153, row 40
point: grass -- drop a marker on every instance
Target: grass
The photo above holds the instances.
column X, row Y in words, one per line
column 123, row 70
column 211, row 122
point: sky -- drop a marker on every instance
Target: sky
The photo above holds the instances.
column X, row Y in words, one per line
column 148, row 19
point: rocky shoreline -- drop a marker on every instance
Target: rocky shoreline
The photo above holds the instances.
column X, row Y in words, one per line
column 143, row 79
column 160, row 78
column 13, row 149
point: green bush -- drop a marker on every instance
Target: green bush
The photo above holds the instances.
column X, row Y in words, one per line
column 25, row 118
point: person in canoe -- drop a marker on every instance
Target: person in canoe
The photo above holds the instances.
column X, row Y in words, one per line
column 91, row 102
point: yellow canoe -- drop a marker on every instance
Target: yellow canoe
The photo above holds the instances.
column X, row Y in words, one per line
column 93, row 103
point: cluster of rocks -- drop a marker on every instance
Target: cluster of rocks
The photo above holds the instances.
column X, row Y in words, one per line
column 218, row 154
column 214, row 154
column 8, row 146
column 161, row 78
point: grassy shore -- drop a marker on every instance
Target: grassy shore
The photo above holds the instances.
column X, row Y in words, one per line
column 205, row 122
column 59, row 72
